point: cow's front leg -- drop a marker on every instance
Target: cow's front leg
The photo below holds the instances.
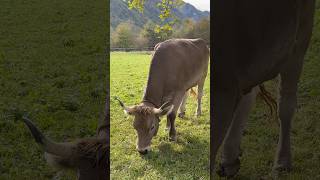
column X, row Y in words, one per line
column 230, row 162
column 172, row 115
column 172, row 131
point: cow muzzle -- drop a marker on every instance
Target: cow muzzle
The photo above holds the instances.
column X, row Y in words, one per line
column 144, row 150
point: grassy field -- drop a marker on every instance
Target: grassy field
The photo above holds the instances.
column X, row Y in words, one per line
column 52, row 67
column 186, row 159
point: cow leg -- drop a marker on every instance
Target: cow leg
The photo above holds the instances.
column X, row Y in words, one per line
column 182, row 109
column 199, row 96
column 172, row 116
column 224, row 105
column 230, row 162
column 287, row 103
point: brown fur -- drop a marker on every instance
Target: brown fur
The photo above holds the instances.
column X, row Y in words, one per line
column 95, row 149
column 142, row 109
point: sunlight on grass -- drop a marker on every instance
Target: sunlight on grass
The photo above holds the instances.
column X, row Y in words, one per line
column 188, row 158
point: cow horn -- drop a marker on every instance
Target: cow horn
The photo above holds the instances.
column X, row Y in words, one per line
column 58, row 149
column 164, row 105
column 164, row 109
column 125, row 108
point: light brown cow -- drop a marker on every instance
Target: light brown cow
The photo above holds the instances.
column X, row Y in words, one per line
column 255, row 41
column 176, row 66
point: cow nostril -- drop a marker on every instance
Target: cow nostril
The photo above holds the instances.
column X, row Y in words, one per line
column 143, row 152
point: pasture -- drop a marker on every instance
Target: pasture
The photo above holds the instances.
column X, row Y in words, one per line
column 52, row 67
column 186, row 159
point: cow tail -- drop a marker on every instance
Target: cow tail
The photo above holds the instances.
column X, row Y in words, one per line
column 270, row 101
column 193, row 92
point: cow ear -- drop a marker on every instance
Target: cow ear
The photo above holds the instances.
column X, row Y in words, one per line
column 59, row 162
column 163, row 111
column 129, row 110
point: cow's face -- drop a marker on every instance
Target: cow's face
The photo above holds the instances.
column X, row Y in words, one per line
column 86, row 166
column 146, row 122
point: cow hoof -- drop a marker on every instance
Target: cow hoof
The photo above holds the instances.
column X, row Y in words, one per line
column 181, row 115
column 173, row 138
column 229, row 170
column 280, row 170
column 198, row 114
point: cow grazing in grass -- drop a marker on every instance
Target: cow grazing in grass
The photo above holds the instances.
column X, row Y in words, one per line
column 255, row 41
column 89, row 156
column 176, row 66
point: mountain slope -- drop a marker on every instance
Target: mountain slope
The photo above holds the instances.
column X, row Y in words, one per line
column 119, row 12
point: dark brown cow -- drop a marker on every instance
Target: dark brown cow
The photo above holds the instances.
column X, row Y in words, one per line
column 176, row 66
column 89, row 156
column 255, row 41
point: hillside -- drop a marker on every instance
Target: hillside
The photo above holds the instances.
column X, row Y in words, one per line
column 119, row 12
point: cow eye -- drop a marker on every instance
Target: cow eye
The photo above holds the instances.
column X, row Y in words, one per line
column 152, row 127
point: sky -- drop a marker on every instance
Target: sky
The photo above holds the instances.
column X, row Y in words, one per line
column 203, row 5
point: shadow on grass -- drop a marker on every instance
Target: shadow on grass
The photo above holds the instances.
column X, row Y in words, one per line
column 186, row 158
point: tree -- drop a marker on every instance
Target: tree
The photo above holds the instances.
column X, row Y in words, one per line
column 191, row 29
column 164, row 28
column 123, row 36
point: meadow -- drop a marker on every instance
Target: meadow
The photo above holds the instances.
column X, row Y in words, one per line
column 53, row 68
column 188, row 158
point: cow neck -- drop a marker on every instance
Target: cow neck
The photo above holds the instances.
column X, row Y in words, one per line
column 148, row 103
column 103, row 130
column 154, row 90
column 104, row 123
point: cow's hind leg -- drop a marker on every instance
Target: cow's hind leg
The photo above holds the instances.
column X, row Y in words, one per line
column 182, row 109
column 199, row 96
column 224, row 105
column 230, row 162
column 287, row 104
column 288, row 87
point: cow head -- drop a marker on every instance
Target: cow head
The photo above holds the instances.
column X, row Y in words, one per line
column 88, row 156
column 146, row 122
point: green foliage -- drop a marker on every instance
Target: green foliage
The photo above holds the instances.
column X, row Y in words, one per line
column 164, row 28
column 138, row 4
column 148, row 36
column 52, row 67
column 186, row 159
column 192, row 29
column 124, row 35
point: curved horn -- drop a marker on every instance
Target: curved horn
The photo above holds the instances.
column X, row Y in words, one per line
column 164, row 105
column 58, row 149
column 125, row 108
column 120, row 102
column 164, row 109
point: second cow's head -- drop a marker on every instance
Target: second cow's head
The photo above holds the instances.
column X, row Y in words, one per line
column 146, row 122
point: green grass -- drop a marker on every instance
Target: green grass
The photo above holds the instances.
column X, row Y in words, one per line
column 52, row 67
column 186, row 159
